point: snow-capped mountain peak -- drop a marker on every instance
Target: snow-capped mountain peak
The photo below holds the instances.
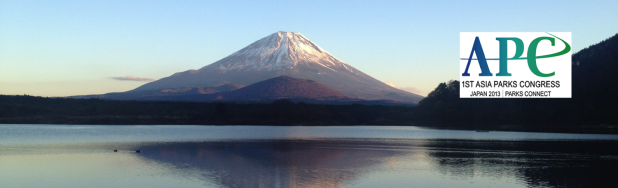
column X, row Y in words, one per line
column 281, row 50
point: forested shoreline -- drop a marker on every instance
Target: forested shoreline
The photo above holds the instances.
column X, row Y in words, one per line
column 41, row 110
column 437, row 111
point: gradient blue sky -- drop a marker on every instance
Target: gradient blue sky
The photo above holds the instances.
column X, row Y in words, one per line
column 60, row 48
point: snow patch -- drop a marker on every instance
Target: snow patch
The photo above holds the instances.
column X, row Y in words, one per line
column 279, row 51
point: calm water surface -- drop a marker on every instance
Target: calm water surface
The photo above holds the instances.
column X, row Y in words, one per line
column 271, row 156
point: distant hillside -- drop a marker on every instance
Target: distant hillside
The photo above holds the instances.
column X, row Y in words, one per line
column 594, row 73
column 164, row 93
column 297, row 90
column 282, row 87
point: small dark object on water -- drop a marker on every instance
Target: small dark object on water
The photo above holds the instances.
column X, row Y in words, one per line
column 115, row 150
column 482, row 131
column 137, row 151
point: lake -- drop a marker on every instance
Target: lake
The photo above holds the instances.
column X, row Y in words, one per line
column 297, row 156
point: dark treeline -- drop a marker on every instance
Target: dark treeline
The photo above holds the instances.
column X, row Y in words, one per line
column 40, row 110
column 593, row 103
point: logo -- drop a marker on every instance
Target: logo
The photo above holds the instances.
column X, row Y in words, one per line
column 493, row 65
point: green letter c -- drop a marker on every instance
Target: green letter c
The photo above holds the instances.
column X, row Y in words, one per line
column 532, row 56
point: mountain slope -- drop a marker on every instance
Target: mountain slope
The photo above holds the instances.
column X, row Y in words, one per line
column 283, row 54
column 176, row 93
column 282, row 87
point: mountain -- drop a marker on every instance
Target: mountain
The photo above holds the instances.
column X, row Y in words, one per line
column 282, row 54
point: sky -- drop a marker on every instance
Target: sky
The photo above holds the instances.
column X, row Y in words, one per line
column 62, row 48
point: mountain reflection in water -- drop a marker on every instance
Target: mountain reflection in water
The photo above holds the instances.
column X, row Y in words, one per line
column 275, row 163
column 424, row 163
